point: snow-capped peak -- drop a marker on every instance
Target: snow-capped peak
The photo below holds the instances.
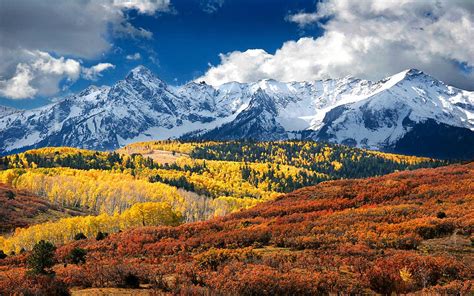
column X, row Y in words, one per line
column 144, row 75
column 141, row 70
column 407, row 75
column 143, row 107
column 413, row 72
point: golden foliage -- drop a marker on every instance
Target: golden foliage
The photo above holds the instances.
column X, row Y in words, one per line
column 64, row 230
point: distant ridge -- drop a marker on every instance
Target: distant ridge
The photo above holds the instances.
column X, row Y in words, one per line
column 386, row 115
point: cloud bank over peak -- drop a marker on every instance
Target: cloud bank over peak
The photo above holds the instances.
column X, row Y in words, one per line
column 367, row 39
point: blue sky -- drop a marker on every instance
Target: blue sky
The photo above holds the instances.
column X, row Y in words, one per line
column 187, row 41
column 52, row 48
column 190, row 37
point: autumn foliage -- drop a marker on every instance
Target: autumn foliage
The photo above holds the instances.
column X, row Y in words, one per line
column 19, row 208
column 364, row 236
column 211, row 179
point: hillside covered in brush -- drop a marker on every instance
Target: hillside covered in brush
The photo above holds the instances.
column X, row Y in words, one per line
column 405, row 232
column 22, row 209
column 198, row 181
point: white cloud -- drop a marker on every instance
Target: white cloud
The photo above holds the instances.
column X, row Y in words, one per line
column 127, row 30
column 46, row 64
column 303, row 19
column 31, row 31
column 134, row 57
column 94, row 72
column 367, row 39
column 41, row 75
column 239, row 66
column 18, row 87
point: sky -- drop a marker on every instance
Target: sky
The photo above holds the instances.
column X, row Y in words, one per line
column 52, row 48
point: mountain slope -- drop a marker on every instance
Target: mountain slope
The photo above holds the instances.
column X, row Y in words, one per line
column 139, row 107
column 409, row 112
column 376, row 115
column 387, row 115
column 400, row 233
column 4, row 111
column 407, row 99
column 437, row 140
column 258, row 120
column 19, row 208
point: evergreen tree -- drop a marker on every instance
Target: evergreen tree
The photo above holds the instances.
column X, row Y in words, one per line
column 41, row 258
column 77, row 256
column 80, row 236
column 101, row 235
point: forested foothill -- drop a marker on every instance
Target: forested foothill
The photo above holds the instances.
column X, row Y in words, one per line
column 405, row 232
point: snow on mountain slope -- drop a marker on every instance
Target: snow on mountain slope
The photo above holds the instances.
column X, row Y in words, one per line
column 257, row 121
column 4, row 111
column 300, row 105
column 377, row 115
column 392, row 114
column 402, row 101
column 140, row 107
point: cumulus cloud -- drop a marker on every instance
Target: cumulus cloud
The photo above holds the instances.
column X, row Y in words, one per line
column 303, row 19
column 367, row 39
column 73, row 29
column 134, row 57
column 18, row 87
column 94, row 72
column 40, row 75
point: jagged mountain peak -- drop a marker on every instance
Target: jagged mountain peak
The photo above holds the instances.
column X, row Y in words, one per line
column 145, row 76
column 413, row 72
column 409, row 75
column 262, row 101
column 142, row 107
column 197, row 85
column 92, row 94
column 141, row 70
column 91, row 90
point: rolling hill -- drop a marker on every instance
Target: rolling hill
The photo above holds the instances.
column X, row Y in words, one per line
column 404, row 232
column 20, row 209
column 204, row 180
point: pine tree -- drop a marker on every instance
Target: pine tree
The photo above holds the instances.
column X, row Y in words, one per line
column 77, row 256
column 41, row 258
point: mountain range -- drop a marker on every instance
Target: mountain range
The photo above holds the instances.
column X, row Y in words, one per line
column 409, row 112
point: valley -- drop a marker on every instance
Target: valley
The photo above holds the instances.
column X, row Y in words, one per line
column 242, row 199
